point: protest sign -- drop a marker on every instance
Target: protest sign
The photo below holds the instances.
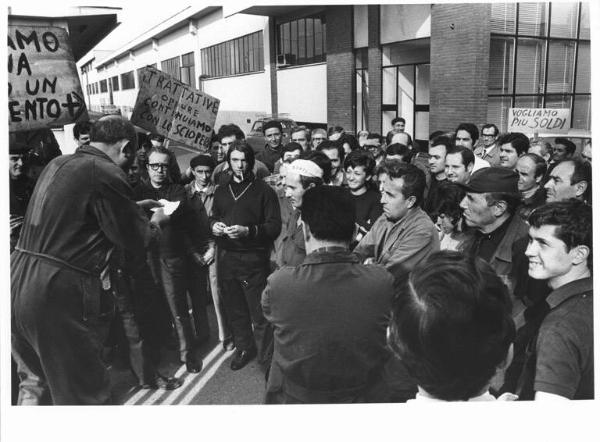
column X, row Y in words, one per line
column 168, row 107
column 43, row 86
column 532, row 120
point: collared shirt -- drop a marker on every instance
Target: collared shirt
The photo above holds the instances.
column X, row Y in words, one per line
column 402, row 244
column 565, row 344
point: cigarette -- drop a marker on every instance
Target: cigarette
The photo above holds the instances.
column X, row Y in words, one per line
column 242, row 173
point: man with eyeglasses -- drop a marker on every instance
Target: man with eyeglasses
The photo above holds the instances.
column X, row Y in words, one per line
column 272, row 151
column 182, row 239
column 317, row 137
column 487, row 149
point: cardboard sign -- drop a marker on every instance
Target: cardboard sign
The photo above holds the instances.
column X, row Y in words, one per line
column 43, row 86
column 168, row 107
column 531, row 120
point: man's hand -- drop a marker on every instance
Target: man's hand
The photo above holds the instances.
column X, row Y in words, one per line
column 159, row 217
column 209, row 256
column 236, row 231
column 218, row 228
column 199, row 259
column 149, row 204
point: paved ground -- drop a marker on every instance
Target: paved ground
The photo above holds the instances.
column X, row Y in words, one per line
column 215, row 384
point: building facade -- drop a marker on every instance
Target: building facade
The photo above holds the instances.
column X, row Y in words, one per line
column 436, row 65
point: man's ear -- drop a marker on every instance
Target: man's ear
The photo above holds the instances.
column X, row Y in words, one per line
column 579, row 254
column 411, row 201
column 581, row 187
column 470, row 167
column 500, row 207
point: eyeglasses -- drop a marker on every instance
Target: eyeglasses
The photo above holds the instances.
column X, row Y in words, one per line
column 157, row 166
column 488, row 135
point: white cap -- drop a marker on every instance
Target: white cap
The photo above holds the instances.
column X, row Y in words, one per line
column 306, row 168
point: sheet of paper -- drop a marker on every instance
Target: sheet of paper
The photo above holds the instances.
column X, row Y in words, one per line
column 168, row 206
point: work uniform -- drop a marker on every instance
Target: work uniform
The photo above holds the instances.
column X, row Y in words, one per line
column 81, row 208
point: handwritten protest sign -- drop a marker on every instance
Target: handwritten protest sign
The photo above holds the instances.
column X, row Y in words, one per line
column 173, row 109
column 531, row 120
column 43, row 86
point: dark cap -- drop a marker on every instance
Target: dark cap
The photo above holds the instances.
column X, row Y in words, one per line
column 17, row 148
column 202, row 160
column 493, row 179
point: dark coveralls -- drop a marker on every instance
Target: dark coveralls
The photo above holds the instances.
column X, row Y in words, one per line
column 168, row 259
column 82, row 207
column 243, row 264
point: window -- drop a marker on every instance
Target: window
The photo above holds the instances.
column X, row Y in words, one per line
column 171, row 67
column 361, row 97
column 115, row 83
column 241, row 55
column 301, row 41
column 540, row 57
column 188, row 75
column 103, row 86
column 127, row 80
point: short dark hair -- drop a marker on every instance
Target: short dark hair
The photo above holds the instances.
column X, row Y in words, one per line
column 573, row 221
column 413, row 178
column 443, row 140
column 321, row 160
column 272, row 124
column 540, row 164
column 375, row 136
column 567, row 143
column 290, row 147
column 230, row 130
column 517, row 140
column 360, row 158
column 329, row 213
column 246, row 149
column 332, row 145
column 452, row 325
column 449, row 196
column 398, row 120
column 490, row 126
column 401, row 150
column 435, row 134
column 113, row 128
column 81, row 128
column 160, row 150
column 335, row 129
column 467, row 155
column 471, row 128
column 203, row 160
column 350, row 139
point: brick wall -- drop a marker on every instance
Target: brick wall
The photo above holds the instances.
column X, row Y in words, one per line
column 374, row 63
column 460, row 44
column 340, row 67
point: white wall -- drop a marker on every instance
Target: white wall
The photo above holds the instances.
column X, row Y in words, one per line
column 302, row 92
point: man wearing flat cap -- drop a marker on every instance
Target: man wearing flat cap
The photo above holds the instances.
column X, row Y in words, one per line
column 499, row 237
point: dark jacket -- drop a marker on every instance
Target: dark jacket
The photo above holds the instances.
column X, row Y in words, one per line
column 330, row 316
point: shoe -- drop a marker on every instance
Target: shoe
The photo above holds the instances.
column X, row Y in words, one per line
column 163, row 383
column 241, row 358
column 193, row 366
column 228, row 344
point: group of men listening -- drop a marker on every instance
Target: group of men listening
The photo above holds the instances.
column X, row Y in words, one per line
column 357, row 269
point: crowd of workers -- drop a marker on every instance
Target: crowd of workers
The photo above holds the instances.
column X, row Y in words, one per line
column 354, row 268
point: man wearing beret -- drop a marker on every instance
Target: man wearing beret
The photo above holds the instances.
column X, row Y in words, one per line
column 272, row 151
column 500, row 237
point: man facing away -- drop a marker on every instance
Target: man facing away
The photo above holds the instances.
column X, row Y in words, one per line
column 81, row 210
column 452, row 327
column 329, row 314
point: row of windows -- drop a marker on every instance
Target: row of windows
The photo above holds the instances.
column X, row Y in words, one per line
column 301, row 41
column 241, row 55
column 540, row 57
